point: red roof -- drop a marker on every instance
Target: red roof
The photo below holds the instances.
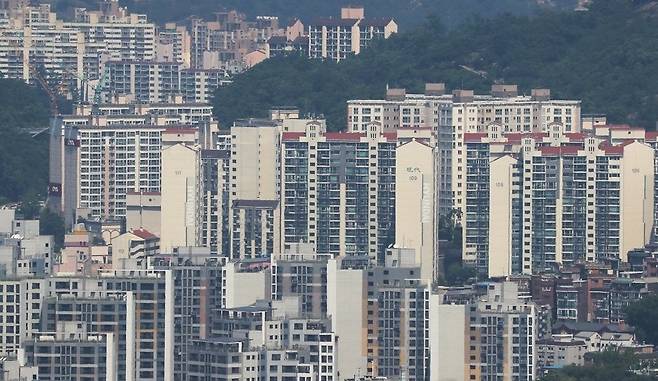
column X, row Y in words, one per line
column 575, row 136
column 564, row 150
column 474, row 137
column 651, row 135
column 614, row 150
column 292, row 136
column 144, row 234
column 344, row 136
column 391, row 136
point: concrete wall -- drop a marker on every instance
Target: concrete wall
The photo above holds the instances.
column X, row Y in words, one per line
column 500, row 216
column 415, row 220
column 179, row 196
column 346, row 306
column 637, row 197
column 447, row 341
column 245, row 288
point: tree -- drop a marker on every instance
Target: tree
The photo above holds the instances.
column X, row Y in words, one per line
column 609, row 365
column 52, row 224
column 643, row 315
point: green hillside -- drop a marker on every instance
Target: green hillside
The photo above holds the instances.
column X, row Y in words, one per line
column 23, row 159
column 606, row 57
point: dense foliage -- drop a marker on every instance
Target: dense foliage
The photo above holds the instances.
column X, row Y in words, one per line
column 23, row 159
column 407, row 12
column 605, row 366
column 606, row 57
column 643, row 315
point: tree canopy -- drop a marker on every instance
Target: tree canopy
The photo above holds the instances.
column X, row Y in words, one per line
column 604, row 56
column 643, row 315
column 610, row 365
column 23, row 159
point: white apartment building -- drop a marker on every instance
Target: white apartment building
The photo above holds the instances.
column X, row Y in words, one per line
column 453, row 115
column 173, row 44
column 96, row 160
column 254, row 188
column 180, row 190
column 21, row 301
column 336, row 39
column 72, row 52
column 155, row 81
column 415, row 203
column 338, row 191
column 536, row 201
column 493, row 337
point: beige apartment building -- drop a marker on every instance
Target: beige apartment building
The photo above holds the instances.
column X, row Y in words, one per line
column 415, row 203
column 254, row 188
column 360, row 193
column 451, row 115
column 97, row 160
column 180, row 189
column 72, row 52
column 336, row 39
column 173, row 44
column 493, row 337
column 536, row 201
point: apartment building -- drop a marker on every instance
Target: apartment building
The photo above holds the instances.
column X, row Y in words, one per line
column 254, row 188
column 24, row 251
column 535, row 201
column 416, row 217
column 556, row 354
column 493, row 337
column 181, row 212
column 254, row 227
column 261, row 341
column 281, row 46
column 452, row 115
column 96, row 160
column 215, row 165
column 338, row 191
column 227, row 40
column 301, row 274
column 146, row 81
column 197, row 294
column 341, row 191
column 199, row 85
column 72, row 52
column 336, row 39
column 71, row 352
column 136, row 306
column 397, row 323
column 160, row 81
column 21, row 301
column 173, row 44
column 27, row 51
column 134, row 248
column 380, row 316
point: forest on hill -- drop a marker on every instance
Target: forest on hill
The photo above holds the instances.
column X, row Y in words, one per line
column 23, row 159
column 605, row 56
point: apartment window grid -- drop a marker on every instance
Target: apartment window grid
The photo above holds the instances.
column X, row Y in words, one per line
column 476, row 233
column 607, row 207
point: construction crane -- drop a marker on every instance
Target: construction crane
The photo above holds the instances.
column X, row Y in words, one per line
column 98, row 90
column 54, row 109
